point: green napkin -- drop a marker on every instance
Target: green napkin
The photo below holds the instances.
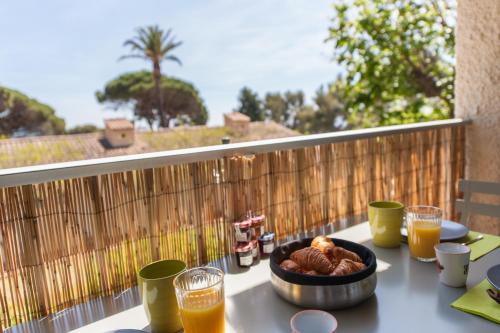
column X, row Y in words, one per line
column 477, row 301
column 482, row 247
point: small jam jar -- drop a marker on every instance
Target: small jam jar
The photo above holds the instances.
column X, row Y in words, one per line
column 257, row 228
column 266, row 243
column 242, row 231
column 244, row 254
column 255, row 251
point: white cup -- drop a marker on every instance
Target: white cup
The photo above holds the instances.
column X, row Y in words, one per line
column 313, row 321
column 453, row 263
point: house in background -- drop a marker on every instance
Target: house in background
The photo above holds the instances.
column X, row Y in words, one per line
column 237, row 122
column 120, row 138
column 119, row 132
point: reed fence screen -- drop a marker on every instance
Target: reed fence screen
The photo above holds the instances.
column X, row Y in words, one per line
column 64, row 242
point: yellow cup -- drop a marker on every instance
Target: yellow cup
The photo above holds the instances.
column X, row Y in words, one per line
column 158, row 295
column 385, row 218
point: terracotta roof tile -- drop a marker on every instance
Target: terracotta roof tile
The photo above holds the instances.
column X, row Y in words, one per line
column 17, row 152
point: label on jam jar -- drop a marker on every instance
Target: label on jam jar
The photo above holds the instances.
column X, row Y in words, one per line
column 254, row 251
column 242, row 231
column 246, row 259
column 241, row 236
column 256, row 232
column 268, row 248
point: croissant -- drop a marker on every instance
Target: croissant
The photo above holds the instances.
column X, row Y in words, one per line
column 321, row 239
column 347, row 266
column 310, row 258
column 290, row 265
column 311, row 273
column 341, row 253
column 326, row 246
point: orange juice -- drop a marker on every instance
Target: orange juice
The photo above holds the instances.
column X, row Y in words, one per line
column 422, row 236
column 203, row 312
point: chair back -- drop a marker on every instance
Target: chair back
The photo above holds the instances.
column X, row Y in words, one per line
column 467, row 207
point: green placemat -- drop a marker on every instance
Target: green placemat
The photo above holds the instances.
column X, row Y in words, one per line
column 477, row 301
column 482, row 247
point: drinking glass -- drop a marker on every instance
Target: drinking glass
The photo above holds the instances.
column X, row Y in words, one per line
column 200, row 296
column 424, row 231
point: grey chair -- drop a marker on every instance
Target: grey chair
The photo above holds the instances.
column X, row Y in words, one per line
column 467, row 207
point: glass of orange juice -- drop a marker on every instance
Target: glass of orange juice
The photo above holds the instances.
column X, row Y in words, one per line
column 200, row 296
column 424, row 231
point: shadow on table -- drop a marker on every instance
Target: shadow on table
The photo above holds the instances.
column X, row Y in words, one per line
column 81, row 314
column 359, row 318
column 260, row 309
column 393, row 274
column 147, row 329
column 446, row 296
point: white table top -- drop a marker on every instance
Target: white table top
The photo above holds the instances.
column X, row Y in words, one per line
column 408, row 298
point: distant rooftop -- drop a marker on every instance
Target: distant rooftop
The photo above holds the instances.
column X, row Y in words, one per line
column 118, row 124
column 237, row 116
column 16, row 152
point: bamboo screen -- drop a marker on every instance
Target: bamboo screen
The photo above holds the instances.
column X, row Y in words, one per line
column 63, row 242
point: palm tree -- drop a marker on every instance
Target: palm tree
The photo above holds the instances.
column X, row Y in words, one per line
column 153, row 44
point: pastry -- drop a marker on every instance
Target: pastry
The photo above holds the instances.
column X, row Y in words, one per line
column 321, row 239
column 326, row 246
column 290, row 265
column 340, row 253
column 347, row 266
column 310, row 258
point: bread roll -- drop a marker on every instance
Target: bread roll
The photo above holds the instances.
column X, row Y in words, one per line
column 326, row 246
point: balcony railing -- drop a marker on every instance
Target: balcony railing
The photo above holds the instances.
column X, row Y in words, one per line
column 72, row 231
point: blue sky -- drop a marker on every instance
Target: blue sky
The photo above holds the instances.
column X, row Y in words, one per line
column 61, row 52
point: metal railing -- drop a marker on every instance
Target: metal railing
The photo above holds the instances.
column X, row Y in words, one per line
column 83, row 168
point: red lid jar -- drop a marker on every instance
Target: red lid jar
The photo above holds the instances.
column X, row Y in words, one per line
column 257, row 228
column 244, row 254
column 242, row 231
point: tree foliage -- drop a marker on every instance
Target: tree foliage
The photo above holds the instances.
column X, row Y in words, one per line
column 326, row 115
column 81, row 129
column 284, row 108
column 397, row 58
column 155, row 45
column 21, row 115
column 289, row 109
column 136, row 90
column 250, row 104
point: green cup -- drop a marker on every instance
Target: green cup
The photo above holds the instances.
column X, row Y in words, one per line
column 158, row 295
column 385, row 218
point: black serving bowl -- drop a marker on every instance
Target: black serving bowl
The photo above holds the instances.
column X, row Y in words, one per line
column 322, row 291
